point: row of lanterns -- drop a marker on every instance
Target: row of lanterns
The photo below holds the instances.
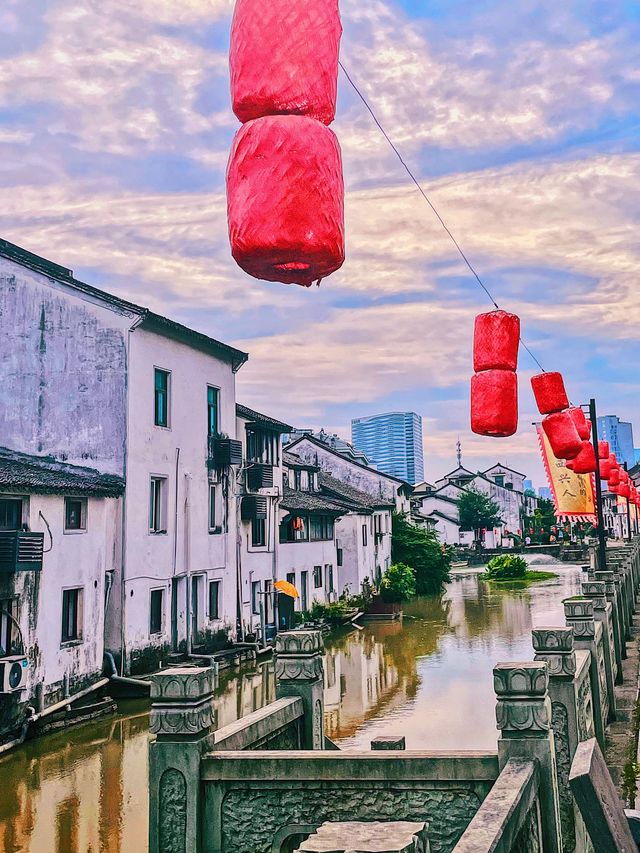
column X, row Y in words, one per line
column 285, row 190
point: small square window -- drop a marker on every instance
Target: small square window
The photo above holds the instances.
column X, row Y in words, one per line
column 71, row 615
column 75, row 514
column 214, row 600
column 156, row 611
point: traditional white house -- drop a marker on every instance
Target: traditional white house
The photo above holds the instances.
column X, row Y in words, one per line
column 93, row 380
column 59, row 551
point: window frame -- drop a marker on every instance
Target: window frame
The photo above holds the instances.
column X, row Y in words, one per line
column 10, row 639
column 255, row 598
column 152, row 592
column 158, row 505
column 217, row 582
column 167, row 397
column 23, row 501
column 365, row 537
column 261, row 525
column 65, row 638
column 317, row 577
column 82, row 527
column 212, row 510
column 215, row 406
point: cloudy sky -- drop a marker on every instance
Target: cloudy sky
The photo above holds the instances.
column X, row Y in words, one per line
column 521, row 120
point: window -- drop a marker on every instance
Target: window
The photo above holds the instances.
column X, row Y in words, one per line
column 291, row 578
column 321, row 527
column 304, row 481
column 255, row 597
column 262, row 446
column 71, row 615
column 214, row 599
column 10, row 513
column 303, row 590
column 9, row 634
column 212, row 410
column 161, row 397
column 339, row 556
column 75, row 514
column 158, row 505
column 499, row 478
column 317, row 577
column 364, row 535
column 328, row 573
column 156, row 611
column 258, row 532
column 296, row 529
column 213, row 527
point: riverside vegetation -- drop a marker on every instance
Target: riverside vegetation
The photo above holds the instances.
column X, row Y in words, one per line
column 510, row 569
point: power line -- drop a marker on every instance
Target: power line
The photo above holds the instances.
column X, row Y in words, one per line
column 427, row 199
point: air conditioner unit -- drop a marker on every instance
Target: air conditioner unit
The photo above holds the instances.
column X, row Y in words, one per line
column 13, row 673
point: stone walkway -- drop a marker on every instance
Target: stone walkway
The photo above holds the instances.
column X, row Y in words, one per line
column 621, row 739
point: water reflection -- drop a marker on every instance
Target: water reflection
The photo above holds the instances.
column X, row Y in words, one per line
column 428, row 678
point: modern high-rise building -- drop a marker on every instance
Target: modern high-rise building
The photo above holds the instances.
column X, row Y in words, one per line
column 619, row 434
column 393, row 442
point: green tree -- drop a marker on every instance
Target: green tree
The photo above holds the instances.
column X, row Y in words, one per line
column 541, row 522
column 398, row 583
column 421, row 550
column 478, row 511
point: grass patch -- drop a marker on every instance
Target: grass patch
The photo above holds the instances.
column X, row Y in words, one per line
column 520, row 583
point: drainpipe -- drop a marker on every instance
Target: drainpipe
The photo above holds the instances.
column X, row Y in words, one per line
column 187, row 558
column 119, row 679
column 174, row 646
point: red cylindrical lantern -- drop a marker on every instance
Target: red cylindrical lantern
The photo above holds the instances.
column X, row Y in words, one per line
column 585, row 461
column 604, row 468
column 495, row 341
column 562, row 434
column 614, row 461
column 623, row 490
column 494, row 403
column 285, row 199
column 614, row 477
column 284, row 58
column 603, row 449
column 582, row 424
column 548, row 389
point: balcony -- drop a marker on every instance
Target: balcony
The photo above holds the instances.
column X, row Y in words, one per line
column 20, row 551
column 259, row 476
column 224, row 452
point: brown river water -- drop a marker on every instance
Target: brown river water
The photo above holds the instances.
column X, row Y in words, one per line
column 429, row 678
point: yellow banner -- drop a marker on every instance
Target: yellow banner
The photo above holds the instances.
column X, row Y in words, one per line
column 573, row 494
column 622, row 508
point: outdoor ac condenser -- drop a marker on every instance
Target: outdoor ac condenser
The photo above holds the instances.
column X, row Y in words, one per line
column 13, row 673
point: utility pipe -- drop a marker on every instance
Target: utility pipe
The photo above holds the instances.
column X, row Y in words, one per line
column 124, row 679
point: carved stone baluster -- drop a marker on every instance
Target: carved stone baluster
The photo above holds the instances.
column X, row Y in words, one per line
column 587, row 635
column 618, row 639
column 595, row 590
column 299, row 672
column 523, row 714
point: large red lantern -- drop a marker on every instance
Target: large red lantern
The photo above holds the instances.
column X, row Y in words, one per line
column 563, row 436
column 284, row 58
column 603, row 449
column 285, row 200
column 614, row 477
column 494, row 403
column 623, row 490
column 495, row 341
column 582, row 424
column 585, row 461
column 604, row 468
column 549, row 391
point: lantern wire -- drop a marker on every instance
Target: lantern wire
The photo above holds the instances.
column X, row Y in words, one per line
column 427, row 199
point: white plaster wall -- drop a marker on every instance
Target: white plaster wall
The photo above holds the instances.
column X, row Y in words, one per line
column 151, row 560
column 303, row 556
column 78, row 559
column 508, row 501
column 62, row 372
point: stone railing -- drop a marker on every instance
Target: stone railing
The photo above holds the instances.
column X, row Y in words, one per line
column 265, row 783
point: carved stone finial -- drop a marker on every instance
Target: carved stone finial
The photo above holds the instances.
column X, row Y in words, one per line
column 181, row 700
column 555, row 646
column 300, row 672
column 578, row 612
column 523, row 708
column 608, row 578
column 596, row 591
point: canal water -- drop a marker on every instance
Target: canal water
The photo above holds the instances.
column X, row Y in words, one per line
column 428, row 678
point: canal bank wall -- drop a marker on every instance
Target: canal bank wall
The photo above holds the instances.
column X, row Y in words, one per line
column 268, row 795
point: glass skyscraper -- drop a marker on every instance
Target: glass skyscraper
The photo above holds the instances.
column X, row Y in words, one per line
column 393, row 442
column 619, row 434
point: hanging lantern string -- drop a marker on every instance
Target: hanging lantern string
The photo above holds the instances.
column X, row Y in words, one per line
column 427, row 199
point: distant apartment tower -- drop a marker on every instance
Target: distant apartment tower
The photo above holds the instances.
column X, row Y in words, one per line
column 544, row 492
column 393, row 442
column 619, row 434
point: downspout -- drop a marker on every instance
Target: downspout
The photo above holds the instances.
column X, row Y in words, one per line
column 187, row 557
column 174, row 587
column 123, row 562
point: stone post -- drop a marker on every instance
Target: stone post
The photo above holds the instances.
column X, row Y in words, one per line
column 623, row 603
column 182, row 713
column 618, row 640
column 300, row 672
column 571, row 719
column 595, row 590
column 587, row 635
column 523, row 714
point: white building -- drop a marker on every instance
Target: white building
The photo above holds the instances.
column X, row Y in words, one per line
column 59, row 550
column 93, row 380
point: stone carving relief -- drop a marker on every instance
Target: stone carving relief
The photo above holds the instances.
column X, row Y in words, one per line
column 560, row 722
column 317, row 725
column 309, row 668
column 173, row 812
column 585, row 709
column 287, row 737
column 529, row 838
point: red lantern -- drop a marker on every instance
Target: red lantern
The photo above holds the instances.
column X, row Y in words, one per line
column 494, row 403
column 562, row 434
column 614, row 462
column 604, row 466
column 284, row 58
column 582, row 424
column 623, row 490
column 495, row 341
column 548, row 389
column 614, row 477
column 285, row 200
column 603, row 450
column 585, row 461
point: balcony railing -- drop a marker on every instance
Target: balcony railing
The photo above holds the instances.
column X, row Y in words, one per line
column 224, row 452
column 20, row 551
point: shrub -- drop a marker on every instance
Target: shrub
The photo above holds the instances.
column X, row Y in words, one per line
column 506, row 567
column 398, row 583
column 421, row 550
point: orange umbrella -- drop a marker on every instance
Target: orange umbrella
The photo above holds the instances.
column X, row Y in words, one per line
column 287, row 588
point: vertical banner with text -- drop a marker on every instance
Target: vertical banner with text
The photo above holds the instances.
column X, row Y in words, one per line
column 573, row 494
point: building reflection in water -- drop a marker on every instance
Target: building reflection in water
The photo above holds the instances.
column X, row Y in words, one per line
column 428, row 678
